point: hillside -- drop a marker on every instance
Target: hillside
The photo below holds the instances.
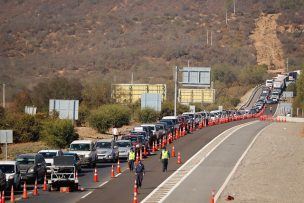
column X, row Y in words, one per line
column 107, row 40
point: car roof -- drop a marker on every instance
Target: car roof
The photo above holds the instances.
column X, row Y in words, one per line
column 105, row 140
column 82, row 142
column 169, row 117
column 123, row 141
column 147, row 124
column 49, row 150
column 8, row 162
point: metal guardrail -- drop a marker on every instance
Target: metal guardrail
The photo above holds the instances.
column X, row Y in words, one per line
column 251, row 96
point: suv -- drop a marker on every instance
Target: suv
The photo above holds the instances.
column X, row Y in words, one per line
column 12, row 174
column 124, row 147
column 86, row 151
column 32, row 167
column 107, row 150
column 49, row 157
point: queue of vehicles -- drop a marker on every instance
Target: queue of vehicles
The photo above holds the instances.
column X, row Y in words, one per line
column 61, row 167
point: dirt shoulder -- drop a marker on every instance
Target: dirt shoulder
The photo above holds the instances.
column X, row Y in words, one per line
column 272, row 171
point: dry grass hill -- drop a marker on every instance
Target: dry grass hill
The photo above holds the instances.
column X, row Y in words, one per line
column 108, row 40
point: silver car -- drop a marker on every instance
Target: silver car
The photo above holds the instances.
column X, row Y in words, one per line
column 124, row 147
column 107, row 150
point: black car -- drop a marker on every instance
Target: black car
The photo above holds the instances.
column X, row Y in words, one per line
column 32, row 167
column 2, row 181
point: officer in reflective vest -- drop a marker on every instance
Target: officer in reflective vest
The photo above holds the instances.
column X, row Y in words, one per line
column 131, row 159
column 164, row 156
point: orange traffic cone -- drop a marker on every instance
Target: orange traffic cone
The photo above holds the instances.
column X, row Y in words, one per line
column 112, row 172
column 35, row 193
column 44, row 184
column 118, row 167
column 12, row 194
column 153, row 148
column 135, row 186
column 135, row 197
column 95, row 175
column 145, row 151
column 173, row 152
column 2, row 197
column 179, row 158
column 24, row 194
column 137, row 159
column 212, row 197
column 155, row 145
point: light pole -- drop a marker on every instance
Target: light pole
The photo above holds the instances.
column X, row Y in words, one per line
column 175, row 89
column 3, row 95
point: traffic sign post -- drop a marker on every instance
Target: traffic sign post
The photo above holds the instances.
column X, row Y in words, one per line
column 6, row 136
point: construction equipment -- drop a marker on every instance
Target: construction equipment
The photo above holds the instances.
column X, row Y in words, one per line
column 63, row 174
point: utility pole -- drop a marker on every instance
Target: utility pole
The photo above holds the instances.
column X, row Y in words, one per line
column 175, row 89
column 207, row 37
column 234, row 6
column 211, row 38
column 3, row 95
column 132, row 78
column 226, row 17
column 287, row 65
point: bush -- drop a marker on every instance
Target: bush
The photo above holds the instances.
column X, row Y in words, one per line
column 168, row 108
column 25, row 127
column 83, row 115
column 58, row 133
column 147, row 115
column 109, row 115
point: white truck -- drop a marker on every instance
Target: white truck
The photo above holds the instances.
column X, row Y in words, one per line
column 269, row 83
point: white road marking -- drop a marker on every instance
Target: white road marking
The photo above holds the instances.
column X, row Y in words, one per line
column 219, row 192
column 84, row 196
column 233, row 129
column 117, row 175
column 102, row 184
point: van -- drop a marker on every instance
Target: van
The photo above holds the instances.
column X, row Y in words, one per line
column 86, row 151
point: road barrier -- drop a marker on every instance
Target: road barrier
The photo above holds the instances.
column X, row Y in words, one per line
column 12, row 194
column 24, row 194
column 173, row 152
column 112, row 172
column 95, row 175
column 118, row 167
column 44, row 184
column 35, row 192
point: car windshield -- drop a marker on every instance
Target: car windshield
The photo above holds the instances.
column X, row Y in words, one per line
column 103, row 145
column 80, row 147
column 124, row 144
column 26, row 160
column 159, row 127
column 7, row 168
column 48, row 155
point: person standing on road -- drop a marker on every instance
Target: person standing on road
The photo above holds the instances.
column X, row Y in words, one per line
column 164, row 156
column 270, row 108
column 115, row 133
column 139, row 173
column 131, row 159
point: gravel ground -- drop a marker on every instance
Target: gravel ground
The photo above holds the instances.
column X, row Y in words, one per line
column 273, row 169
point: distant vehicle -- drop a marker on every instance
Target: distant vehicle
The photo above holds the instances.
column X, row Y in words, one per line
column 173, row 119
column 77, row 161
column 107, row 150
column 269, row 83
column 162, row 130
column 138, row 142
column 32, row 167
column 86, row 151
column 12, row 174
column 124, row 147
column 2, row 181
column 48, row 156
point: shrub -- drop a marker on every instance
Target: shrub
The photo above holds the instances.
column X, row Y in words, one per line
column 83, row 115
column 109, row 115
column 25, row 127
column 147, row 115
column 58, row 133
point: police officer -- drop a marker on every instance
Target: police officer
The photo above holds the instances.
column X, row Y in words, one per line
column 131, row 159
column 164, row 156
column 139, row 173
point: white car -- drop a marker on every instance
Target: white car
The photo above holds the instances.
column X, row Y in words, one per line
column 49, row 155
column 12, row 173
column 124, row 147
column 86, row 151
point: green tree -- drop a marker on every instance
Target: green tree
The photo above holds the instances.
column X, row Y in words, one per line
column 299, row 99
column 58, row 133
column 147, row 115
column 109, row 115
column 96, row 93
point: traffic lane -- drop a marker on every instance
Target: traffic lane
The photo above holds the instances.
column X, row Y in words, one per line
column 274, row 108
column 120, row 189
column 85, row 181
column 213, row 171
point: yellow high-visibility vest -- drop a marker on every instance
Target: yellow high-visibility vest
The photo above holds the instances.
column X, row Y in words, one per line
column 165, row 154
column 132, row 155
